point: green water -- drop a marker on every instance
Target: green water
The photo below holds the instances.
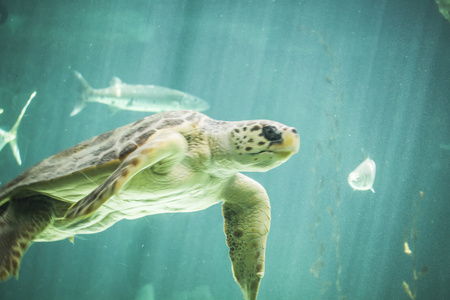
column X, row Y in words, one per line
column 356, row 78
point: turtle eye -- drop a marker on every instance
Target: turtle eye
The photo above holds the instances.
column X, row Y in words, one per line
column 271, row 133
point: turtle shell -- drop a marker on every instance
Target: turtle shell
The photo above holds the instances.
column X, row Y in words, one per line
column 94, row 159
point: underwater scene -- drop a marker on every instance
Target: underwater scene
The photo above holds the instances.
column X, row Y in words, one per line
column 336, row 111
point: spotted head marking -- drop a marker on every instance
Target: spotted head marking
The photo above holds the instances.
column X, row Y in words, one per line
column 262, row 145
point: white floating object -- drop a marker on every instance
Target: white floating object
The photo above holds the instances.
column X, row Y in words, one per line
column 407, row 250
column 362, row 177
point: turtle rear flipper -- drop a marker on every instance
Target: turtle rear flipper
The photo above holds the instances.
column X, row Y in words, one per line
column 20, row 223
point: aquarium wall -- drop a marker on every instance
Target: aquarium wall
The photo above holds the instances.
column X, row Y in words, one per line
column 357, row 79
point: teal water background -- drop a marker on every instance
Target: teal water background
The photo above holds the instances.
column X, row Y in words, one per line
column 356, row 78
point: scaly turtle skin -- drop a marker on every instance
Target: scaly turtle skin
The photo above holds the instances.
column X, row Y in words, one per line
column 178, row 161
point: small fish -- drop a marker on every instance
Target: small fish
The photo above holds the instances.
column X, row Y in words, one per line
column 11, row 136
column 362, row 177
column 145, row 98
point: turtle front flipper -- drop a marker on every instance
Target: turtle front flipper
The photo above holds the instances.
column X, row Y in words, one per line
column 165, row 146
column 20, row 223
column 246, row 212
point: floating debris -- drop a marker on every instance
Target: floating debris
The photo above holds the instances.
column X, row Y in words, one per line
column 408, row 290
column 407, row 250
column 317, row 266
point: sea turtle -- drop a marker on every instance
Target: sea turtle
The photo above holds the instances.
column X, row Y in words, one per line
column 176, row 161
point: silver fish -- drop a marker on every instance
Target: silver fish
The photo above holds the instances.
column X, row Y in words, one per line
column 11, row 136
column 363, row 176
column 146, row 98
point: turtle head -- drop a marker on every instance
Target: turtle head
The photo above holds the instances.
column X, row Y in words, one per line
column 262, row 145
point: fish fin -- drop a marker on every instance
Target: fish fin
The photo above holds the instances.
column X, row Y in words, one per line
column 72, row 239
column 83, row 89
column 19, row 119
column 373, row 191
column 15, row 150
column 115, row 81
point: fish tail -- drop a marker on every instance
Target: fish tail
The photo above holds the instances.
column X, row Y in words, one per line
column 8, row 138
column 13, row 132
column 83, row 89
column 15, row 150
